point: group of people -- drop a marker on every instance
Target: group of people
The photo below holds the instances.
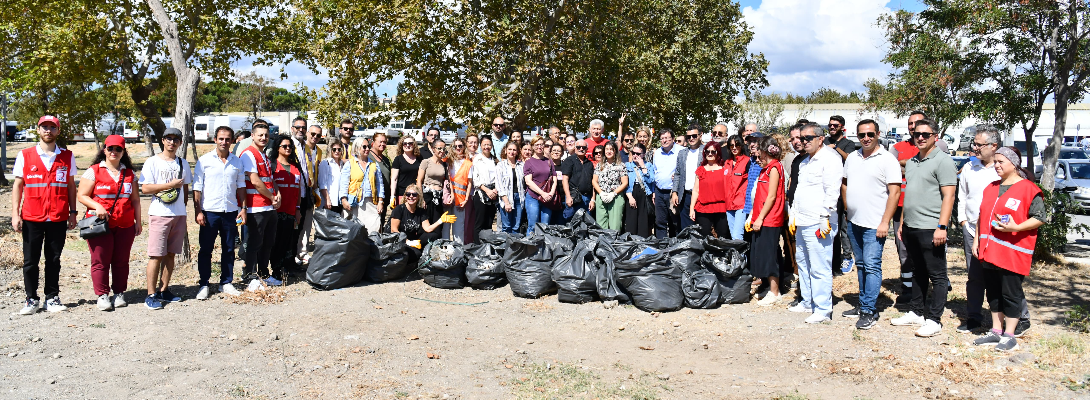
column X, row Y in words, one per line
column 802, row 201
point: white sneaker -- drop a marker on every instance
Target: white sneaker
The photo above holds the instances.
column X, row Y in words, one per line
column 817, row 318
column 801, row 308
column 910, row 319
column 273, row 281
column 255, row 285
column 228, row 288
column 119, row 300
column 930, row 328
column 104, row 303
column 31, row 306
column 203, row 293
column 54, row 305
column 769, row 300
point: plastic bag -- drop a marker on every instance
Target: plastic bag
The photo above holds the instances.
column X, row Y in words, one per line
column 389, row 259
column 485, row 269
column 606, row 278
column 726, row 258
column 685, row 254
column 443, row 265
column 735, row 290
column 701, row 289
column 341, row 251
column 653, row 283
column 532, row 277
column 575, row 274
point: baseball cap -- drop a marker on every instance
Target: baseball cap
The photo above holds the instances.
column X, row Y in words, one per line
column 114, row 140
column 756, row 135
column 50, row 119
column 172, row 131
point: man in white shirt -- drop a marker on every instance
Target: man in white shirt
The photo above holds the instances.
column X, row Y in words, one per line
column 974, row 177
column 219, row 188
column 685, row 173
column 814, row 222
column 871, row 188
column 166, row 177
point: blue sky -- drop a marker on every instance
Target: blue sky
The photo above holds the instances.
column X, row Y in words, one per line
column 809, row 44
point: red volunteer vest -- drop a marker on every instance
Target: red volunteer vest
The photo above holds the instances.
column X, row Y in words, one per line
column 253, row 197
column 287, row 180
column 106, row 193
column 775, row 216
column 736, row 182
column 45, row 192
column 1012, row 251
column 905, row 150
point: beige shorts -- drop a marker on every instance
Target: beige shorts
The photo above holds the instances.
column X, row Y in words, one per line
column 166, row 235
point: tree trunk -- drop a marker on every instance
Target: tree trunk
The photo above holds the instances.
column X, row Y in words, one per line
column 1052, row 151
column 1029, row 146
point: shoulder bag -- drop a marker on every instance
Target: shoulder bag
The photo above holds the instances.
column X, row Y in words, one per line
column 92, row 227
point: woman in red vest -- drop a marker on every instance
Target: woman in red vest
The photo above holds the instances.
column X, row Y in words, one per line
column 106, row 189
column 736, row 166
column 1010, row 213
column 287, row 173
column 767, row 218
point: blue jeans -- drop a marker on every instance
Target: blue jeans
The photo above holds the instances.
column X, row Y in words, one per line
column 867, row 249
column 815, row 257
column 736, row 221
column 536, row 212
column 570, row 211
column 509, row 220
column 221, row 224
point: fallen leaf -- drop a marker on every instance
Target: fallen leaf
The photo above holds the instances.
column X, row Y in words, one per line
column 414, row 337
column 432, row 356
column 357, row 350
column 508, row 366
column 646, row 348
column 469, row 338
column 378, row 307
column 403, row 312
column 689, row 372
column 540, row 389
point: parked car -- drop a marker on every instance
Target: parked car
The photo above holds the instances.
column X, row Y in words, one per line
column 1066, row 153
column 1074, row 176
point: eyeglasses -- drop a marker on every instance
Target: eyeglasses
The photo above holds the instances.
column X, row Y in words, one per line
column 499, row 125
column 458, row 147
column 711, row 152
column 411, row 195
column 691, row 137
column 808, row 138
column 719, row 134
column 172, row 139
column 866, row 134
column 346, row 128
column 580, row 147
column 115, row 149
column 336, row 150
column 286, row 146
column 636, row 154
column 922, row 135
column 408, row 144
column 628, row 140
column 979, row 145
column 299, row 127
column 365, row 147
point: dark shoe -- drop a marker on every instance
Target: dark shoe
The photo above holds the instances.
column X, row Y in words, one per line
column 969, row 325
column 1007, row 343
column 1021, row 328
column 853, row 313
column 866, row 321
column 989, row 338
column 167, row 297
column 794, row 303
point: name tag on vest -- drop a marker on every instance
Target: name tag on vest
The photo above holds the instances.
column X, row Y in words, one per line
column 62, row 175
column 126, row 188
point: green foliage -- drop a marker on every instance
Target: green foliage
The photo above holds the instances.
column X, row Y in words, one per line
column 826, row 95
column 1052, row 237
column 1078, row 318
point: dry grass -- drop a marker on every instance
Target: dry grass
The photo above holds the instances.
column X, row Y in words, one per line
column 262, row 297
column 539, row 305
column 11, row 250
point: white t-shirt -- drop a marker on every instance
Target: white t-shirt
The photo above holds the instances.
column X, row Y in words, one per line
column 868, row 180
column 692, row 161
column 250, row 165
column 158, row 171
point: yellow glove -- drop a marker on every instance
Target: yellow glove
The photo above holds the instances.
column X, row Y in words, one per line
column 749, row 226
column 447, row 218
column 791, row 226
column 413, row 243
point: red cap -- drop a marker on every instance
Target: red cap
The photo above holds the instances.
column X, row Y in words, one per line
column 50, row 119
column 115, row 140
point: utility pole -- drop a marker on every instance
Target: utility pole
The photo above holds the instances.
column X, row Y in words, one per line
column 3, row 139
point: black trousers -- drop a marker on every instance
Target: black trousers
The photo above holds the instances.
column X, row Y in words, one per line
column 929, row 269
column 36, row 237
column 708, row 221
column 283, row 252
column 261, row 235
column 483, row 218
column 665, row 222
column 640, row 220
column 1004, row 291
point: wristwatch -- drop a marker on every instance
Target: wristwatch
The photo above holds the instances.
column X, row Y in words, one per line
column 942, row 227
column 73, row 212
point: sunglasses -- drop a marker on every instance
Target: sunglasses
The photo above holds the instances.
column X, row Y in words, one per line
column 580, row 147
column 922, row 135
column 336, row 150
column 711, row 152
column 115, row 149
column 598, row 153
column 835, row 126
column 733, row 146
column 808, row 138
column 286, row 146
column 691, row 137
column 866, row 134
column 635, row 154
column 459, row 147
column 411, row 195
column 298, row 127
column 628, row 140
column 48, row 127
column 365, row 147
column 719, row 134
column 409, row 144
column 499, row 125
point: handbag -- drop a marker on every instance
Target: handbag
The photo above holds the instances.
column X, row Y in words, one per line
column 448, row 194
column 484, row 197
column 92, row 227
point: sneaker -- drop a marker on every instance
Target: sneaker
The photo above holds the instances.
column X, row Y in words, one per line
column 119, row 300
column 817, row 318
column 930, row 328
column 256, row 285
column 168, row 297
column 846, row 265
column 104, row 303
column 153, row 302
column 853, row 313
column 1007, row 343
column 769, row 300
column 989, row 338
column 228, row 288
column 800, row 308
column 53, row 304
column 203, row 293
column 1021, row 328
column 866, row 321
column 794, row 302
column 31, row 306
column 969, row 325
column 909, row 319
column 273, row 281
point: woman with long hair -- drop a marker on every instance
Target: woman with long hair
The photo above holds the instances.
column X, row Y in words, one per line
column 639, row 217
column 409, row 218
column 709, row 206
column 106, row 190
column 329, row 176
column 362, row 190
column 460, row 182
column 609, row 181
column 737, row 165
column 289, row 181
column 511, row 187
column 486, row 195
column 405, row 166
column 643, row 136
column 539, row 173
column 431, row 177
column 767, row 219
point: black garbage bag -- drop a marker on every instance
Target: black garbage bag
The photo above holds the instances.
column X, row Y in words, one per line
column 389, row 259
column 532, row 277
column 701, row 288
column 685, row 254
column 606, row 278
column 726, row 258
column 647, row 275
column 341, row 252
column 520, row 248
column 576, row 275
column 581, row 223
column 498, row 240
column 735, row 290
column 484, row 269
column 692, row 232
column 443, row 265
column 557, row 237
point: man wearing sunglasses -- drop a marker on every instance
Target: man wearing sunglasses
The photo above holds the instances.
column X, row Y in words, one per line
column 842, row 245
column 594, row 137
column 814, row 222
column 577, row 172
column 837, row 139
column 346, row 130
column 310, row 156
column 628, row 138
column 685, row 173
column 500, row 136
column 929, row 201
column 904, row 150
column 719, row 132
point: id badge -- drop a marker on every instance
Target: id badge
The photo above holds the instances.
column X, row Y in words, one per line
column 126, row 188
column 62, row 175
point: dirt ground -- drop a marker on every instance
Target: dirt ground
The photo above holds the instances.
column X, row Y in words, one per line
column 408, row 340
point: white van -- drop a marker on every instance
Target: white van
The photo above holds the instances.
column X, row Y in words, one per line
column 204, row 126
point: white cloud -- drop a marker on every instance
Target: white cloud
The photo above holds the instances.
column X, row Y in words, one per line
column 814, row 43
